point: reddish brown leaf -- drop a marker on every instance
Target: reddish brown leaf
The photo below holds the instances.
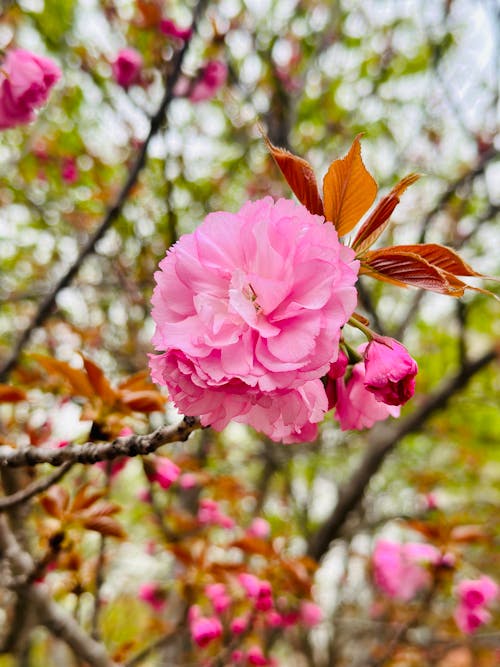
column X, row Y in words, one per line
column 9, row 394
column 55, row 502
column 348, row 190
column 441, row 257
column 85, row 498
column 144, row 401
column 300, row 177
column 406, row 268
column 428, row 266
column 378, row 219
column 76, row 378
column 99, row 382
column 106, row 526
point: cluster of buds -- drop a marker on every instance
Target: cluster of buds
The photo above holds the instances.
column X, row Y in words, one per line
column 252, row 597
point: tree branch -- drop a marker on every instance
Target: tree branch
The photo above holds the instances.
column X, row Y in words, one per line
column 114, row 210
column 91, row 452
column 381, row 442
column 39, row 486
column 61, row 624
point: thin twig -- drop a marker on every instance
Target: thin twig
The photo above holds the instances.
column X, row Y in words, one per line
column 39, row 486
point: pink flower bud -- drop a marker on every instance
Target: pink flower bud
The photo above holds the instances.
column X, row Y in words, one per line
column 477, row 592
column 218, row 597
column 69, row 170
column 152, row 595
column 171, row 29
column 238, row 625
column 187, row 481
column 390, row 371
column 127, row 67
column 310, row 614
column 211, row 77
column 336, row 371
column 205, row 629
column 259, row 528
column 166, row 472
column 25, row 83
column 255, row 656
column 469, row 620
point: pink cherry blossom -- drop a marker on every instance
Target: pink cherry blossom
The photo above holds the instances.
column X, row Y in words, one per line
column 390, row 371
column 356, row 407
column 218, row 596
column 249, row 309
column 210, row 79
column 259, row 528
column 399, row 569
column 25, row 83
column 239, row 625
column 152, row 595
column 310, row 614
column 171, row 29
column 210, row 514
column 127, row 67
column 474, row 595
column 475, row 592
column 204, row 630
column 255, row 656
column 165, row 472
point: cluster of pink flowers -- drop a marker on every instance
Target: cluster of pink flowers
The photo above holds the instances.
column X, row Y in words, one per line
column 402, row 570
column 376, row 387
column 249, row 311
column 25, row 83
column 474, row 596
column 210, row 514
column 206, row 628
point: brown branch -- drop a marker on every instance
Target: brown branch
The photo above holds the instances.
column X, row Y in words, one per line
column 39, row 486
column 113, row 212
column 90, row 452
column 381, row 442
column 60, row 623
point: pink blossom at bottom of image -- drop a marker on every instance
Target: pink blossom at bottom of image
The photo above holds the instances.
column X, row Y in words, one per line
column 400, row 569
column 474, row 596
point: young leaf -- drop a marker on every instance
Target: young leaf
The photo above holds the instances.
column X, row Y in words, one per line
column 300, row 177
column 378, row 220
column 99, row 382
column 9, row 394
column 407, row 268
column 348, row 190
column 428, row 266
column 76, row 378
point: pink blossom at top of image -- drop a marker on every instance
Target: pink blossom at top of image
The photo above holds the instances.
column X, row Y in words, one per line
column 171, row 29
column 25, row 83
column 127, row 67
column 389, row 371
column 400, row 569
column 210, row 79
column 259, row 300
